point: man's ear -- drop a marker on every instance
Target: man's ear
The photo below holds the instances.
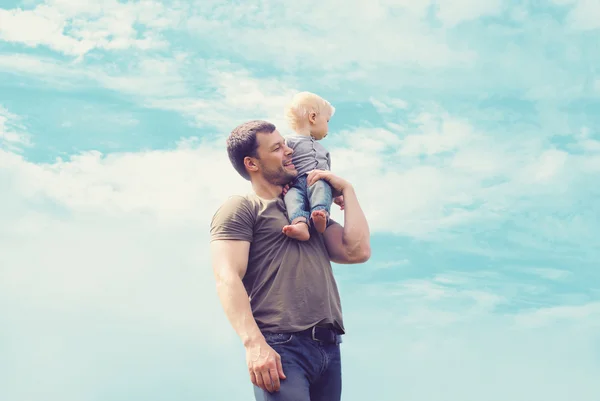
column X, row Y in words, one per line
column 250, row 163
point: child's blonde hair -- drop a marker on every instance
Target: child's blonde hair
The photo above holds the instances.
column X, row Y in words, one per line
column 304, row 103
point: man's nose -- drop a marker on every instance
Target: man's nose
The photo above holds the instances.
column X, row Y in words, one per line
column 288, row 150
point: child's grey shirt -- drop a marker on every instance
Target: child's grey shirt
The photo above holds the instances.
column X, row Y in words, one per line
column 308, row 154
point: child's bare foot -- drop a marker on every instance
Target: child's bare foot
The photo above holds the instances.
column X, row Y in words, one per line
column 319, row 218
column 298, row 231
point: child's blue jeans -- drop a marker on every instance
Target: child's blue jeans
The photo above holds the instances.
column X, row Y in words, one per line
column 301, row 200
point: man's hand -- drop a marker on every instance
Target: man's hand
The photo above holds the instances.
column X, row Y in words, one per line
column 339, row 200
column 264, row 366
column 338, row 185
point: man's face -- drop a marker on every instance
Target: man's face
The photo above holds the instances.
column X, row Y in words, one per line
column 275, row 158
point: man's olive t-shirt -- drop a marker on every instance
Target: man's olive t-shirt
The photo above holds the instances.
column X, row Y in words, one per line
column 290, row 283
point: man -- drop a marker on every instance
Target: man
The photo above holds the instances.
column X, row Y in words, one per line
column 278, row 293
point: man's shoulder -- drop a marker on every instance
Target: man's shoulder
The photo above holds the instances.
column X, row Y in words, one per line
column 236, row 205
column 235, row 200
column 234, row 218
column 238, row 202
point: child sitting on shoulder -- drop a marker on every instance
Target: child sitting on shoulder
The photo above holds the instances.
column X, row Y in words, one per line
column 308, row 115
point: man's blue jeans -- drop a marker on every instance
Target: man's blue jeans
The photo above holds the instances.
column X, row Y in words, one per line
column 312, row 368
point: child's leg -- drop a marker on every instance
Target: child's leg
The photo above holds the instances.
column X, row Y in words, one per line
column 296, row 201
column 320, row 198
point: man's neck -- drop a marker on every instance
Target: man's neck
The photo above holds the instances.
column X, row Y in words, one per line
column 266, row 190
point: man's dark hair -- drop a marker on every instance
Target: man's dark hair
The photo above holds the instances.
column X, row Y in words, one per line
column 242, row 142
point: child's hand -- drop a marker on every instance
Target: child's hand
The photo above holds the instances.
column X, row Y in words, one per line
column 285, row 189
column 339, row 200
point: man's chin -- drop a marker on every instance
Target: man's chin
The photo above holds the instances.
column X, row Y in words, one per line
column 289, row 175
column 283, row 177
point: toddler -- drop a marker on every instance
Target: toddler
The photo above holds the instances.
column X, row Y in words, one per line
column 308, row 115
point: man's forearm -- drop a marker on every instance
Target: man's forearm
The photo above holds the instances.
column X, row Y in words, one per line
column 235, row 302
column 356, row 235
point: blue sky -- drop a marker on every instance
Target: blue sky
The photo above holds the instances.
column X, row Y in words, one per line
column 469, row 129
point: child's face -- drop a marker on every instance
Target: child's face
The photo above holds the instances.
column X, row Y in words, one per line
column 320, row 126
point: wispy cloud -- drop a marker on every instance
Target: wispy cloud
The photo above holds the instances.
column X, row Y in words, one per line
column 530, row 358
column 74, row 28
column 453, row 12
column 212, row 94
column 274, row 36
column 550, row 274
column 13, row 135
column 445, row 172
column 86, row 232
column 582, row 314
column 582, row 14
column 172, row 186
column 235, row 96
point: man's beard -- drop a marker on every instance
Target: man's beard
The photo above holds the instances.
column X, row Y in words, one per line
column 279, row 176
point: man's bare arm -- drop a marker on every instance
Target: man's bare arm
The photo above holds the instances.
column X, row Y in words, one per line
column 352, row 242
column 230, row 260
column 349, row 243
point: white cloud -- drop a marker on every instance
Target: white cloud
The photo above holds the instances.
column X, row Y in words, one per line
column 447, row 329
column 466, row 359
column 108, row 258
column 444, row 300
column 453, row 12
column 321, row 41
column 582, row 14
column 40, row 68
column 586, row 141
column 549, row 164
column 146, row 77
column 13, row 135
column 110, row 297
column 76, row 27
column 150, row 77
column 439, row 173
column 386, row 106
column 591, row 145
column 402, row 194
column 551, row 274
column 171, row 186
column 237, row 97
column 44, row 26
column 587, row 313
column 110, row 233
column 437, row 134
column 214, row 94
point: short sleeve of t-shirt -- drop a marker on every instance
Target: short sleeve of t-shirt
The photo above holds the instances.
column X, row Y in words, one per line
column 234, row 220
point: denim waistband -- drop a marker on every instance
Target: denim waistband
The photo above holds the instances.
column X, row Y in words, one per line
column 322, row 334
